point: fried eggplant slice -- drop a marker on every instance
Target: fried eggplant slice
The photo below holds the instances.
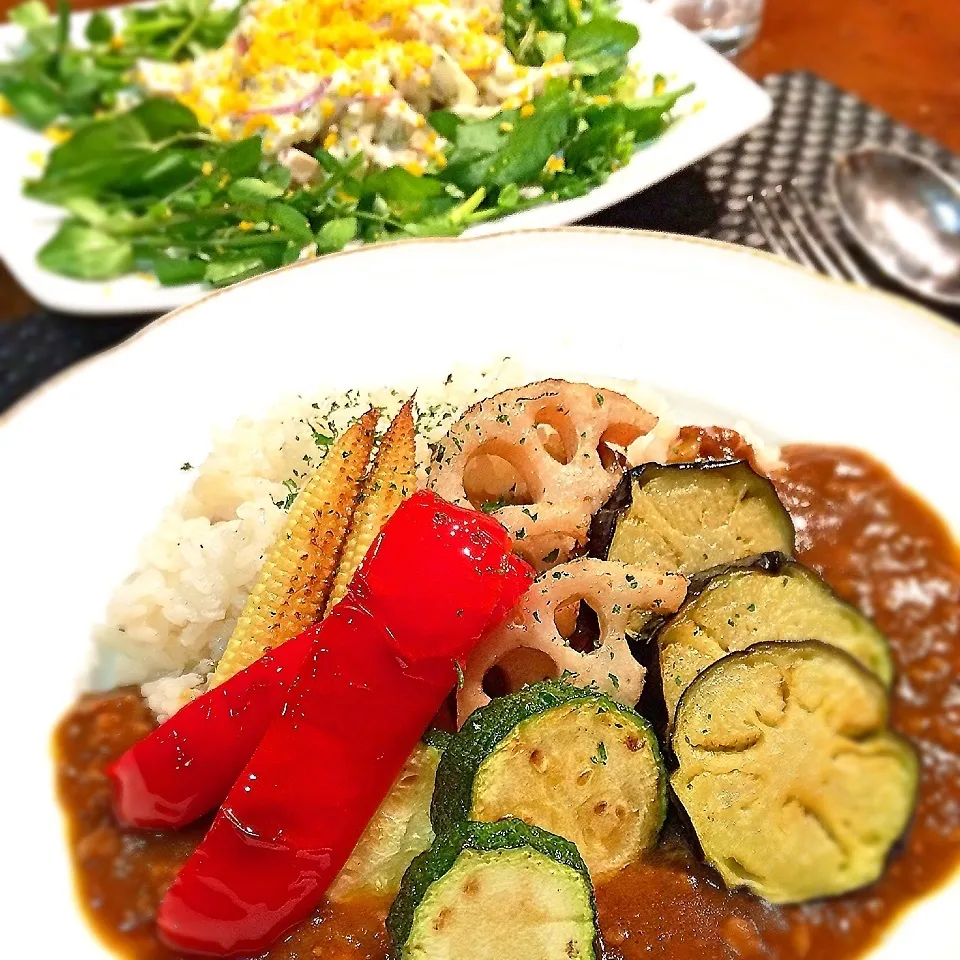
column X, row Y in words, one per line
column 788, row 773
column 563, row 758
column 496, row 891
column 399, row 831
column 688, row 517
column 772, row 598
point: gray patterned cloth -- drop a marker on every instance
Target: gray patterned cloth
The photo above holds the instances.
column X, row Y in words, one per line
column 812, row 122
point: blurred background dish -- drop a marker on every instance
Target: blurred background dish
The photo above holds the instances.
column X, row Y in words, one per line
column 871, row 74
column 145, row 241
column 905, row 214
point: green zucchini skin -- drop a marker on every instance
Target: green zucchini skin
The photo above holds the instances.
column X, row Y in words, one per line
column 438, row 739
column 487, row 727
column 780, row 534
column 604, row 755
column 431, row 866
column 399, row 830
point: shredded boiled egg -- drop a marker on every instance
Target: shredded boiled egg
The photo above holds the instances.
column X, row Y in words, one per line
column 358, row 76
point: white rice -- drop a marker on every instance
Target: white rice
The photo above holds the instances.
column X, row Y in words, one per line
column 168, row 622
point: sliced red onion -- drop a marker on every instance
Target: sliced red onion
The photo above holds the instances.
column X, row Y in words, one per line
column 298, row 106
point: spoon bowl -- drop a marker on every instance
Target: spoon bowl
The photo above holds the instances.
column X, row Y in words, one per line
column 905, row 214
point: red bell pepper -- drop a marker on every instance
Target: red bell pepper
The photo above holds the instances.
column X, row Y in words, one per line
column 431, row 585
column 186, row 766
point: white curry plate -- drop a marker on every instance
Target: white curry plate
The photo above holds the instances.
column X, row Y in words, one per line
column 728, row 104
column 90, row 460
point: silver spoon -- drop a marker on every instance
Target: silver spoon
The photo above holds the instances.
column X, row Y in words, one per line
column 905, row 213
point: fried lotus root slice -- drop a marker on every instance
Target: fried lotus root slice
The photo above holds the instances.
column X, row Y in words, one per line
column 795, row 785
column 541, row 458
column 541, row 639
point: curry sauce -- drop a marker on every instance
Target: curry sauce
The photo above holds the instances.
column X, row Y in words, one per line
column 873, row 540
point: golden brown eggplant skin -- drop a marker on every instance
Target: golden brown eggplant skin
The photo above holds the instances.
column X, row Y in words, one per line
column 689, row 517
column 788, row 772
column 765, row 598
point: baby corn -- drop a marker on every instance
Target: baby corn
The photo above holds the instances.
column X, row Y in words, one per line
column 298, row 571
column 392, row 478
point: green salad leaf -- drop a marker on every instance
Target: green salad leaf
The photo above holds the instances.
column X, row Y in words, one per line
column 253, row 190
column 34, row 16
column 178, row 270
column 242, row 158
column 52, row 80
column 148, row 188
column 601, row 37
column 99, row 29
column 86, row 253
column 335, row 234
column 291, row 220
column 535, row 30
column 129, row 150
column 221, row 273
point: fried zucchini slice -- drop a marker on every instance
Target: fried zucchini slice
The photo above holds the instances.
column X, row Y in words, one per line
column 563, row 758
column 496, row 891
column 772, row 598
column 789, row 775
column 399, row 830
column 688, row 517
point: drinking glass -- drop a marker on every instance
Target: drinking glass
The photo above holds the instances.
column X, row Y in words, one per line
column 729, row 26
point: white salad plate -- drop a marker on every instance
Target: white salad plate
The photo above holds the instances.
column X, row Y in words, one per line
column 724, row 333
column 724, row 105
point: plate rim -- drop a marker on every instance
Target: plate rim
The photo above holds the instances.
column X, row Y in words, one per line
column 926, row 314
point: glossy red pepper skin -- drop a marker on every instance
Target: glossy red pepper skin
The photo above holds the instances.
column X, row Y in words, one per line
column 439, row 573
column 187, row 765
column 436, row 579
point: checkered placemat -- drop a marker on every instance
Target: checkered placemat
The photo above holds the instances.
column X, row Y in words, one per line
column 813, row 121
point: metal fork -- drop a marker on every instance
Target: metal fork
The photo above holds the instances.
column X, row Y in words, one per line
column 793, row 229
